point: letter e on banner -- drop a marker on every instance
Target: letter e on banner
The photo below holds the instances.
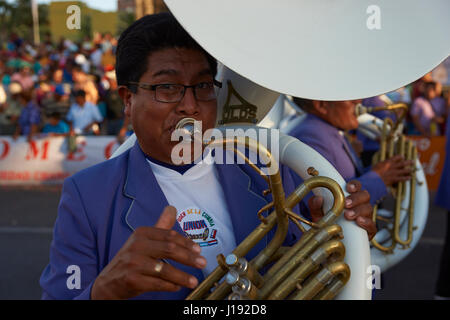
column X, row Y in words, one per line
column 80, row 155
column 74, row 280
column 4, row 149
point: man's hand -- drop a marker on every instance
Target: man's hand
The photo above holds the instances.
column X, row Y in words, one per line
column 394, row 170
column 136, row 268
column 357, row 208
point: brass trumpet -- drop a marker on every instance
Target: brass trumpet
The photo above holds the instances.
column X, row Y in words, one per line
column 392, row 143
column 311, row 269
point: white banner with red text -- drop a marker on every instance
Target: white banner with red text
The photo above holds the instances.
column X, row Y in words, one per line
column 48, row 160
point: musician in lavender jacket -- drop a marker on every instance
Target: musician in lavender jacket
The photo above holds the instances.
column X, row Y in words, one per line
column 124, row 226
column 323, row 129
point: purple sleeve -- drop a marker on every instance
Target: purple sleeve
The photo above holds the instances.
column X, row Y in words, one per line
column 73, row 246
column 35, row 116
column 373, row 183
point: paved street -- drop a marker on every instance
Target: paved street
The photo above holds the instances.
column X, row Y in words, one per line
column 27, row 217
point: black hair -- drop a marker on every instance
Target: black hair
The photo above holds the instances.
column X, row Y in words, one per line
column 147, row 35
column 54, row 114
column 79, row 93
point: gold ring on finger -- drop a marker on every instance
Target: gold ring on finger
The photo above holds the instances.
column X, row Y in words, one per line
column 158, row 267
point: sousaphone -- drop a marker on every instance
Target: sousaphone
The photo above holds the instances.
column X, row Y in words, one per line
column 323, row 50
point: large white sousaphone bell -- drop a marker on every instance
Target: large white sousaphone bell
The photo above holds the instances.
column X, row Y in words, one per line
column 324, row 50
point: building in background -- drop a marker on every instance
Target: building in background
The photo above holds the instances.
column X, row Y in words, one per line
column 92, row 21
column 141, row 7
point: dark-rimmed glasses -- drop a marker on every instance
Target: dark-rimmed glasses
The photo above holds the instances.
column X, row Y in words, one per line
column 169, row 92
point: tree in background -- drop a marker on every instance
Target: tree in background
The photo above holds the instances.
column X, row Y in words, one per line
column 16, row 18
column 125, row 20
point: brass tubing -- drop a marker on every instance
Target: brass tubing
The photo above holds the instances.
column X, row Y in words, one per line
column 384, row 149
column 318, row 283
column 299, row 193
column 329, row 218
column 407, row 156
column 360, row 109
column 412, row 192
column 331, row 290
column 399, row 192
column 244, row 247
column 299, row 252
column 302, row 270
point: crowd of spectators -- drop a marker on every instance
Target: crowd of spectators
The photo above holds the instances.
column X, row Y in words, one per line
column 65, row 88
column 69, row 88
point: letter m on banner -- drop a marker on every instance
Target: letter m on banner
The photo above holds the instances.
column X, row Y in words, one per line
column 38, row 150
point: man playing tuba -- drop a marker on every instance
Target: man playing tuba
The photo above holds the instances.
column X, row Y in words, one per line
column 121, row 222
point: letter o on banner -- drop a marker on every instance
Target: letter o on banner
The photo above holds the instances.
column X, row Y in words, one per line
column 4, row 149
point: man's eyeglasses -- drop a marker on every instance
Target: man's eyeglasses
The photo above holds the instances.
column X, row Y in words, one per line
column 169, row 93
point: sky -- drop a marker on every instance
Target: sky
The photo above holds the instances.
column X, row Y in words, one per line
column 104, row 5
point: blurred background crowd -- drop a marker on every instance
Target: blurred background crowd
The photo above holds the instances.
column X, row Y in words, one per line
column 66, row 87
column 60, row 88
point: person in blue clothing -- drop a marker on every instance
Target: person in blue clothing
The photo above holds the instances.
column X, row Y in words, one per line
column 138, row 226
column 83, row 116
column 30, row 116
column 323, row 130
column 442, row 199
column 56, row 126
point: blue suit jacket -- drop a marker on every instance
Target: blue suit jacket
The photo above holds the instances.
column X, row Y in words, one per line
column 325, row 139
column 102, row 205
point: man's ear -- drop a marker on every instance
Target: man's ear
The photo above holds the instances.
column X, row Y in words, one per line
column 126, row 96
column 320, row 107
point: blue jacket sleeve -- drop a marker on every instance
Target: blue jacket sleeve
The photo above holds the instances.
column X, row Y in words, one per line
column 73, row 264
column 373, row 183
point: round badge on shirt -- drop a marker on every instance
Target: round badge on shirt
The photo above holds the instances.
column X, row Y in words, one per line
column 198, row 226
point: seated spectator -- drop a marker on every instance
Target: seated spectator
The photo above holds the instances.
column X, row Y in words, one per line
column 2, row 96
column 55, row 126
column 439, row 105
column 114, row 106
column 108, row 58
column 83, row 117
column 24, row 77
column 10, row 110
column 96, row 56
column 83, row 82
column 57, row 102
column 423, row 115
column 30, row 116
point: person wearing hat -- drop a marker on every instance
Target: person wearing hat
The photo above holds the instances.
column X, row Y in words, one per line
column 57, row 102
column 10, row 110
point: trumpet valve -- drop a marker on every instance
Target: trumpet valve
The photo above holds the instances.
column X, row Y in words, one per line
column 243, row 268
column 241, row 285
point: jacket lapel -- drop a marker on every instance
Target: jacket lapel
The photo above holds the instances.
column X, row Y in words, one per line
column 149, row 200
column 243, row 194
